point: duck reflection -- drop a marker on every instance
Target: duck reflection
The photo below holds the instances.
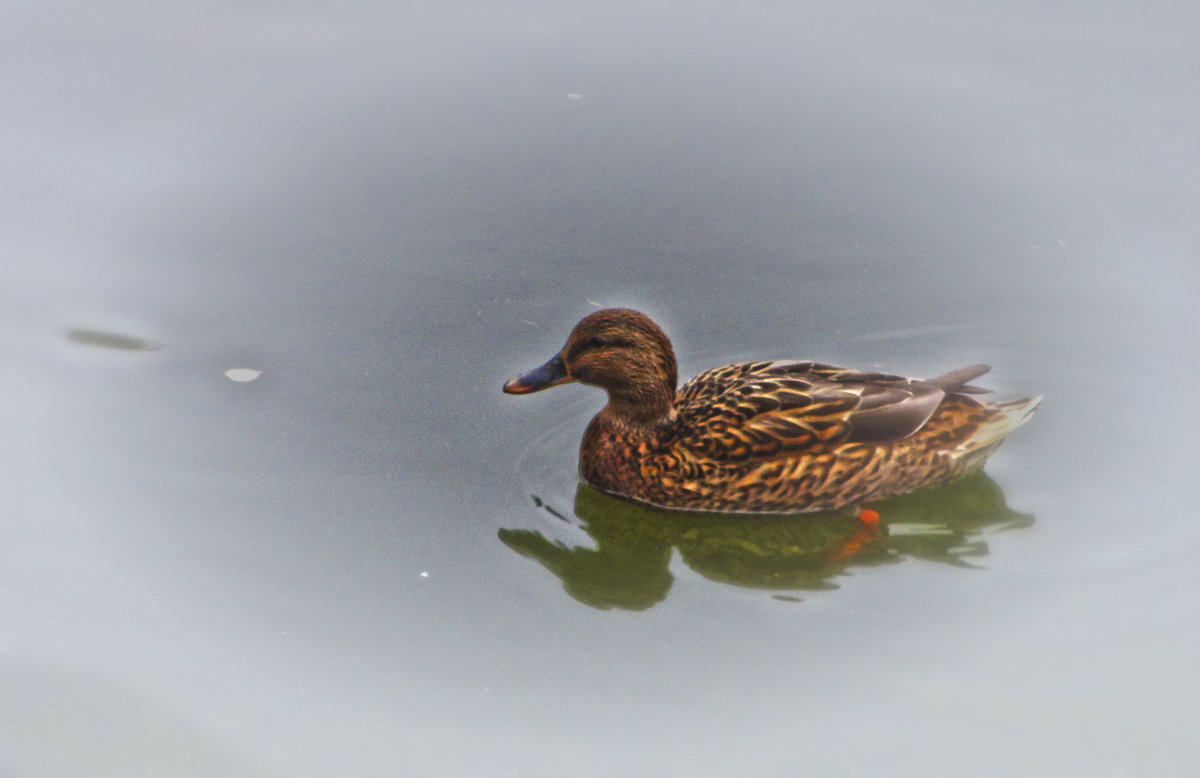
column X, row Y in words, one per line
column 629, row 567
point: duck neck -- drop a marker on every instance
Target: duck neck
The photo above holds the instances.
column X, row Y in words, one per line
column 641, row 405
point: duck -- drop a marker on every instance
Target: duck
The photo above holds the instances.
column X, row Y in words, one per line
column 765, row 436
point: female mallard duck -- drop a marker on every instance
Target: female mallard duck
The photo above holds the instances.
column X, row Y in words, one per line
column 763, row 437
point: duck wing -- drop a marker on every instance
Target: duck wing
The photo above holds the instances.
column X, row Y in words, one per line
column 757, row 410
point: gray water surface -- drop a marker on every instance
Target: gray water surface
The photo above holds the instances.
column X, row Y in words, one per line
column 366, row 560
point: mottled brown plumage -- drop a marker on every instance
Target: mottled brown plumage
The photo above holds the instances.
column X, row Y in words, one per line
column 758, row 437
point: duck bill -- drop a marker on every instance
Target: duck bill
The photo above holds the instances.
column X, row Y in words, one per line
column 550, row 374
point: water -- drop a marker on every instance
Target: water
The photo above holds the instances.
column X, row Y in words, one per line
column 340, row 566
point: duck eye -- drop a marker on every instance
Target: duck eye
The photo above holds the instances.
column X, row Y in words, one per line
column 596, row 342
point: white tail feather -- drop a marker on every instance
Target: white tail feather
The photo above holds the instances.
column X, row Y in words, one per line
column 1012, row 415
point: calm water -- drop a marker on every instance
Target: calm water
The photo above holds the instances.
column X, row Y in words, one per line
column 368, row 561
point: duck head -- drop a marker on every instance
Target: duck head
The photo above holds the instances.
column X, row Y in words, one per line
column 619, row 350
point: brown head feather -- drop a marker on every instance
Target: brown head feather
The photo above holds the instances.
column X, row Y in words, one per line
column 623, row 352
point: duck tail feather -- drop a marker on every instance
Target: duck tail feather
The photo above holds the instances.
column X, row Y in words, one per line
column 1007, row 417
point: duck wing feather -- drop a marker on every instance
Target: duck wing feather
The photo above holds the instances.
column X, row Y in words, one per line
column 759, row 410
